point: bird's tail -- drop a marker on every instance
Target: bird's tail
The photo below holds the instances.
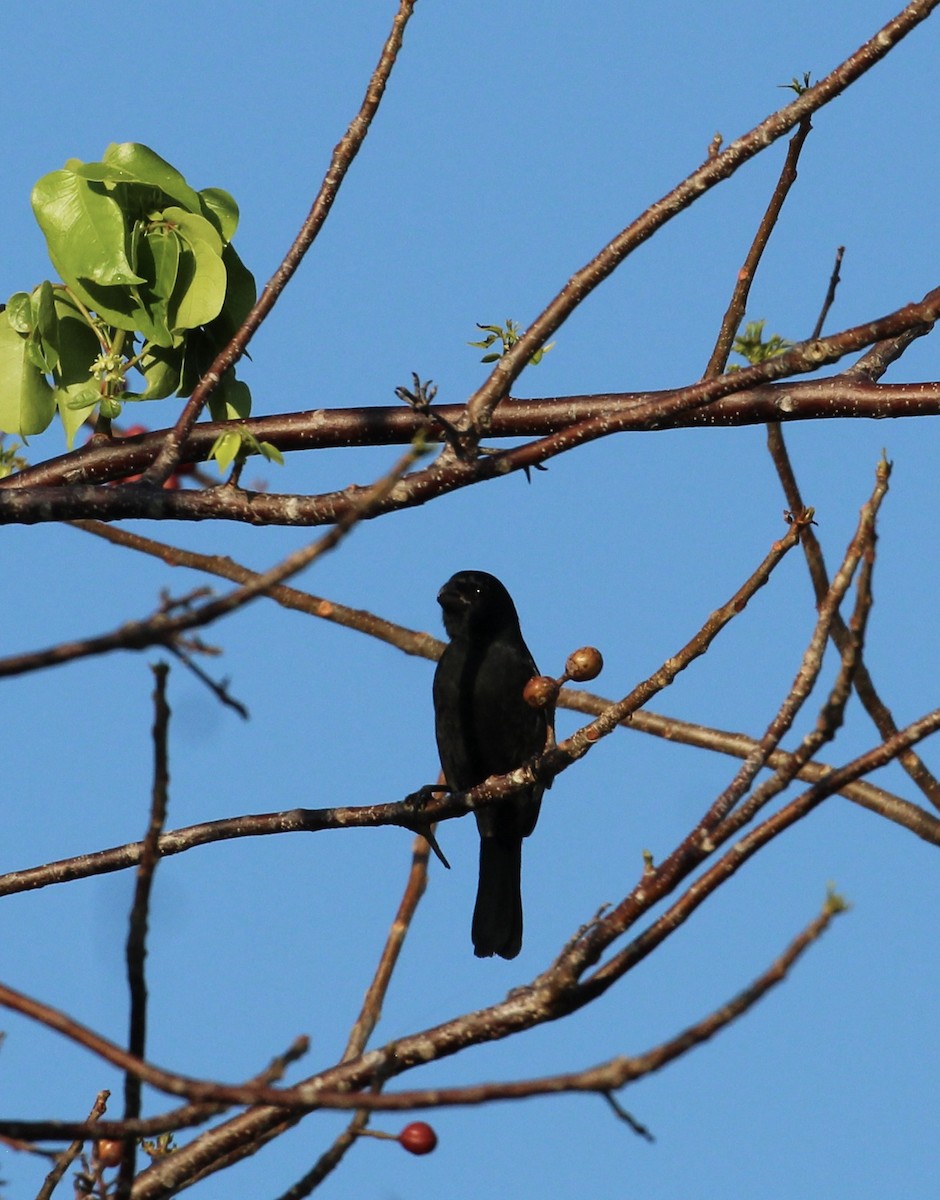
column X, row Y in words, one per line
column 497, row 916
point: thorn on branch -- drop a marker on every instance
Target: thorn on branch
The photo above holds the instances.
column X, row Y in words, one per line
column 530, row 467
column 627, row 1118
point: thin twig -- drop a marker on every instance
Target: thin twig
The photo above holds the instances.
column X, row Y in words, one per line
column 832, row 712
column 881, row 716
column 408, row 640
column 343, row 155
column 711, row 172
column 423, row 645
column 187, row 1116
column 219, row 690
column 740, row 745
column 604, row 1078
column 846, row 396
column 162, row 627
column 834, row 281
column 136, row 951
column 716, row 827
column 69, row 1155
column 742, row 850
column 523, row 1009
column 856, row 554
column 738, row 303
column 371, row 1009
column 575, row 746
column 366, row 1021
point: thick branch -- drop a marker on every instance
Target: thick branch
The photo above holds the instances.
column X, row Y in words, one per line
column 842, row 397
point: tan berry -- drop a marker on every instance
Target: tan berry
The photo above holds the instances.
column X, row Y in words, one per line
column 540, row 691
column 584, row 664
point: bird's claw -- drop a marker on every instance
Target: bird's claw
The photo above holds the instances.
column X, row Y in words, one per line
column 416, row 801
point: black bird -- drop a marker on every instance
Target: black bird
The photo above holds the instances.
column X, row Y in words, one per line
column 484, row 727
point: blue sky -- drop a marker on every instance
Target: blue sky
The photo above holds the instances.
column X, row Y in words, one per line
column 514, row 141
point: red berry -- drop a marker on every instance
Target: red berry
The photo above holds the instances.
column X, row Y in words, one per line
column 418, row 1138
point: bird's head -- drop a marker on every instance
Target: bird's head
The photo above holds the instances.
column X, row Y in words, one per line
column 475, row 601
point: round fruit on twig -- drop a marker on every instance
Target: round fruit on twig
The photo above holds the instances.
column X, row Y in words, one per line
column 418, row 1138
column 541, row 691
column 109, row 1151
column 584, row 664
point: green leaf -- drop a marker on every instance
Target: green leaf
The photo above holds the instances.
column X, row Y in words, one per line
column 27, row 403
column 148, row 167
column 239, row 443
column 78, row 346
column 158, row 257
column 100, row 172
column 43, row 348
column 200, row 287
column 45, row 319
column 160, row 367
column 220, row 208
column 78, row 400
column 116, row 306
column 231, row 400
column 271, row 453
column 75, row 390
column 225, row 448
column 20, row 312
column 751, row 345
column 194, row 228
column 42, row 358
column 201, row 278
column 240, row 295
column 84, row 229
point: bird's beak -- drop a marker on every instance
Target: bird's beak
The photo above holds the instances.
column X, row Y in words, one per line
column 449, row 597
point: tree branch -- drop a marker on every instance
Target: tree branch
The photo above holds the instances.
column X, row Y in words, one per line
column 712, row 171
column 162, row 628
column 340, row 162
column 736, row 306
column 21, row 504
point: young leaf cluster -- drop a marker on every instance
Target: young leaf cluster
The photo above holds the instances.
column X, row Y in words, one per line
column 507, row 335
column 751, row 345
column 152, row 288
